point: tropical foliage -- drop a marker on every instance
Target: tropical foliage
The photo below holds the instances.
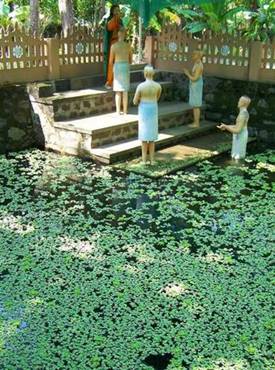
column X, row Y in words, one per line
column 255, row 19
column 216, row 16
column 261, row 25
column 105, row 271
column 257, row 23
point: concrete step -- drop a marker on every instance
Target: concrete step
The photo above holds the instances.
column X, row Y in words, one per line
column 138, row 67
column 112, row 128
column 87, row 82
column 48, row 88
column 89, row 102
column 131, row 148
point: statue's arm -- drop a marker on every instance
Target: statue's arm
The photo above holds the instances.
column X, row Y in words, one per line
column 137, row 96
column 236, row 129
column 112, row 55
column 159, row 92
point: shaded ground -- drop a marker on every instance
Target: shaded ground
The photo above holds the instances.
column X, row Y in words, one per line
column 103, row 271
column 181, row 156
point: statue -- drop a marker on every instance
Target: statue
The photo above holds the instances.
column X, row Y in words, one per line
column 196, row 86
column 239, row 130
column 146, row 97
column 112, row 25
column 121, row 58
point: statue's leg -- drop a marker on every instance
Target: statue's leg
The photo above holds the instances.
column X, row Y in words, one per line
column 118, row 102
column 152, row 152
column 144, row 147
column 125, row 102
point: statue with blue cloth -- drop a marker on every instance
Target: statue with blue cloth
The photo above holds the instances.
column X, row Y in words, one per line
column 196, row 86
column 121, row 59
column 239, row 130
column 146, row 97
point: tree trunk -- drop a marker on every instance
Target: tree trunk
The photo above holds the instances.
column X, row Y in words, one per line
column 34, row 21
column 102, row 8
column 139, row 40
column 67, row 14
column 254, row 5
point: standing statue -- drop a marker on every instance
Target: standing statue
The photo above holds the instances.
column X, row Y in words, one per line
column 239, row 130
column 113, row 24
column 120, row 59
column 196, row 86
column 147, row 96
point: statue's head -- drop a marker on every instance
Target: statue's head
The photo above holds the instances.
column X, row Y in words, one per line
column 197, row 55
column 149, row 72
column 115, row 10
column 244, row 101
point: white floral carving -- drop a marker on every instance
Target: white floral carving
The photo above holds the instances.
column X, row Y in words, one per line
column 17, row 51
column 225, row 50
column 79, row 48
column 173, row 47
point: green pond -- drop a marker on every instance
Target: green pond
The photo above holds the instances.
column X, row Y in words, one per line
column 111, row 271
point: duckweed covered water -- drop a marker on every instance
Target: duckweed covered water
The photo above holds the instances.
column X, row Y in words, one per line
column 105, row 271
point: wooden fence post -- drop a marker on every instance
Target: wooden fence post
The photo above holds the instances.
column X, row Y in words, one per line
column 54, row 65
column 150, row 49
column 255, row 60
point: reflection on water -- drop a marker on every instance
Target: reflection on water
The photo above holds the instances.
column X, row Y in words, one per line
column 89, row 189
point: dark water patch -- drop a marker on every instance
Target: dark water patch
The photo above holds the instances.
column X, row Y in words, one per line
column 158, row 362
column 4, row 273
column 131, row 259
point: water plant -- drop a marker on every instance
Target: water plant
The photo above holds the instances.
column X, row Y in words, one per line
column 101, row 270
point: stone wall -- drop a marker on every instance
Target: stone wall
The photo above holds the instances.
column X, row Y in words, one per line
column 17, row 130
column 20, row 130
column 221, row 98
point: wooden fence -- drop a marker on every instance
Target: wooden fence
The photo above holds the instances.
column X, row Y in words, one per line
column 224, row 55
column 25, row 57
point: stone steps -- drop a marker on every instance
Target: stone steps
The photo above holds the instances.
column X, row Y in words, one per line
column 81, row 120
column 75, row 104
column 112, row 153
column 111, row 128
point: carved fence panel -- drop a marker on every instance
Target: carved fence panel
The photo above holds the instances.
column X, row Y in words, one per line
column 224, row 56
column 81, row 52
column 267, row 70
column 23, row 57
column 173, row 47
column 228, row 56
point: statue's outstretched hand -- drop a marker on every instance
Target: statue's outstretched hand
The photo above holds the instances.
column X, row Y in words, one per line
column 222, row 127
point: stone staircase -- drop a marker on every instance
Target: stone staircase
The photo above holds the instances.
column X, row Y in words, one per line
column 78, row 118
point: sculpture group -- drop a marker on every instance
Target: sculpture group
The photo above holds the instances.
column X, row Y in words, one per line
column 118, row 58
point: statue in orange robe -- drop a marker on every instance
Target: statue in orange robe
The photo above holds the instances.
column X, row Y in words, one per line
column 113, row 25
